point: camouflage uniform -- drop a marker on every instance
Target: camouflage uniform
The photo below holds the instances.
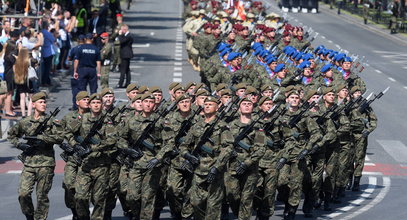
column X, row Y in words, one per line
column 93, row 174
column 143, row 183
column 240, row 189
column 38, row 166
column 71, row 123
column 206, row 198
column 105, row 55
column 116, row 49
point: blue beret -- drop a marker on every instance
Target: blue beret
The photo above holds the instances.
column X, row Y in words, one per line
column 321, row 51
column 326, row 52
column 332, row 54
column 279, row 67
column 264, row 54
column 319, row 48
column 225, row 51
column 339, row 57
column 233, row 55
column 222, row 46
column 304, row 64
column 258, row 51
column 308, row 56
column 298, row 56
column 287, row 48
column 325, row 68
column 348, row 59
column 270, row 59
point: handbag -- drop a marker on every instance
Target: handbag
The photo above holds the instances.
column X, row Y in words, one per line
column 3, row 87
column 32, row 73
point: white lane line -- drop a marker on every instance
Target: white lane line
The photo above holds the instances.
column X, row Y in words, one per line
column 141, row 45
column 370, row 164
column 378, row 71
column 323, row 37
column 178, row 47
column 178, row 55
column 391, row 79
column 178, row 74
column 178, row 51
column 396, row 149
column 366, row 194
column 177, row 80
column 177, row 68
column 14, row 171
column 405, row 87
column 179, row 44
column 178, row 58
column 152, row 33
column 178, row 64
column 375, row 201
column 336, row 45
column 135, row 67
column 372, row 173
column 329, row 41
column 367, row 158
column 404, row 67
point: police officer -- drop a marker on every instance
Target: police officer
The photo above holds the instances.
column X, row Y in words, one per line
column 87, row 65
column 74, row 83
column 38, row 158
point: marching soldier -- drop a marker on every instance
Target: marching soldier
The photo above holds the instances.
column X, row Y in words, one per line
column 37, row 157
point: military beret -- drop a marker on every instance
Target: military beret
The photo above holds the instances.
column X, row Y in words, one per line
column 39, row 95
column 226, row 92
column 310, row 93
column 340, row 87
column 222, row 46
column 245, row 99
column 221, row 86
column 81, row 95
column 264, row 99
column 292, row 92
column 305, row 64
column 119, row 15
column 193, row 2
column 189, row 85
column 328, row 89
column 279, row 67
column 183, row 97
column 326, row 52
column 179, row 87
column 137, row 97
column 172, row 85
column 265, row 88
column 251, row 90
column 291, row 87
column 339, row 57
column 95, row 96
column 201, row 92
column 104, row 35
column 147, row 95
column 241, row 86
column 298, row 56
column 207, row 25
column 270, row 59
column 154, row 89
column 347, row 59
column 106, row 91
column 143, row 89
column 215, row 26
column 233, row 55
column 286, row 33
column 355, row 89
column 200, row 86
column 131, row 87
column 225, row 51
column 325, row 68
column 257, row 45
column 211, row 99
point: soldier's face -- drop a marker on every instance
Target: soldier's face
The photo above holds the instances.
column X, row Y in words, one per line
column 312, row 64
column 138, row 105
column 232, row 35
column 273, row 65
column 268, row 93
column 272, row 34
column 184, row 105
column 343, row 93
column 294, row 100
column 246, row 107
column 108, row 99
column 346, row 65
column 356, row 94
column 300, row 33
column 179, row 93
column 267, row 105
column 95, row 106
column 329, row 74
column 225, row 98
column 158, row 97
column 40, row 105
column 329, row 98
column 200, row 100
column 132, row 94
column 314, row 98
column 216, row 31
column 83, row 103
column 210, row 107
column 254, row 98
column 245, row 32
column 241, row 92
column 191, row 90
column 148, row 105
column 281, row 74
column 307, row 72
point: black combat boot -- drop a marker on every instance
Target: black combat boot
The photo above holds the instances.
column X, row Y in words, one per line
column 74, row 214
column 291, row 212
column 336, row 198
column 307, row 206
column 224, row 211
column 356, row 184
column 327, row 200
column 349, row 184
column 29, row 217
column 108, row 215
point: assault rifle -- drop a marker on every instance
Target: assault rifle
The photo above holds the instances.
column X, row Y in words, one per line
column 298, row 117
column 364, row 106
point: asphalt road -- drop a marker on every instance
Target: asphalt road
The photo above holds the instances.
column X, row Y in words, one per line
column 161, row 59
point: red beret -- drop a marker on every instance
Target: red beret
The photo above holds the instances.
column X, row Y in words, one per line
column 261, row 27
column 245, row 28
column 193, row 2
column 286, row 33
column 104, row 35
column 119, row 15
column 215, row 26
column 288, row 27
column 300, row 28
column 207, row 25
column 238, row 27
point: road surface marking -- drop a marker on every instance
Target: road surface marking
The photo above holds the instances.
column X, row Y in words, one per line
column 378, row 71
column 370, row 164
column 152, row 33
column 177, row 68
column 329, row 41
column 383, row 192
column 396, row 149
column 372, row 173
column 178, row 64
column 141, row 45
column 14, row 171
column 178, row 74
column 405, row 87
column 322, row 36
column 367, row 158
column 177, row 80
column 178, row 58
column 391, row 79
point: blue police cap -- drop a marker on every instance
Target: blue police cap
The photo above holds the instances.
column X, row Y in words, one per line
column 279, row 67
column 304, row 64
column 81, row 37
column 233, row 55
column 325, row 68
column 89, row 36
column 348, row 59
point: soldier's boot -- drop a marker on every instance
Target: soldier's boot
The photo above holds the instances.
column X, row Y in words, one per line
column 327, row 200
column 108, row 215
column 307, row 206
column 225, row 211
column 336, row 199
column 29, row 217
column 156, row 215
column 291, row 212
column 349, row 184
column 286, row 209
column 341, row 191
column 356, row 184
column 74, row 214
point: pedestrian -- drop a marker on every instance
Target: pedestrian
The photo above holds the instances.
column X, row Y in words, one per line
column 47, row 54
column 106, row 56
column 126, row 53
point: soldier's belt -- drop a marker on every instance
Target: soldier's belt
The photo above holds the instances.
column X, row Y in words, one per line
column 148, row 145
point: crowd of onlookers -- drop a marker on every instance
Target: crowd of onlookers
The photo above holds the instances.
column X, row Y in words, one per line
column 36, row 47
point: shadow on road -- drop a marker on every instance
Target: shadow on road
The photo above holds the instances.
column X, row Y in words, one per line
column 5, row 159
